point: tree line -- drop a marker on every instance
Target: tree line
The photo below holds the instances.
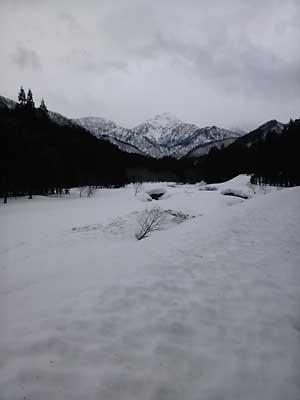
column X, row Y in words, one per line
column 273, row 160
column 39, row 156
column 27, row 105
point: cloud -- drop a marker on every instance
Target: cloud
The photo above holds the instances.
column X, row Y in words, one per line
column 71, row 22
column 209, row 61
column 26, row 58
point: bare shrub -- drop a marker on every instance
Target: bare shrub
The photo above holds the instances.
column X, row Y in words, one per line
column 81, row 190
column 89, row 190
column 138, row 187
column 149, row 221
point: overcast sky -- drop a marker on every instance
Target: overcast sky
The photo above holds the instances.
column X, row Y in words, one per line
column 223, row 62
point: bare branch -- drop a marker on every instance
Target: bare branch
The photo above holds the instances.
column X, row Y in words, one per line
column 150, row 220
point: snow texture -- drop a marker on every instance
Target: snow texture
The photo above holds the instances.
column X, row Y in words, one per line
column 203, row 309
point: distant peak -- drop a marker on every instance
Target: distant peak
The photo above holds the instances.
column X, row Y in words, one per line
column 165, row 119
column 273, row 123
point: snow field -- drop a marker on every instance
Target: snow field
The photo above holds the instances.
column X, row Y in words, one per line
column 205, row 309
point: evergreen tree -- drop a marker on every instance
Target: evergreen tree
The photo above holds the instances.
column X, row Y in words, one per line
column 43, row 108
column 22, row 97
column 29, row 100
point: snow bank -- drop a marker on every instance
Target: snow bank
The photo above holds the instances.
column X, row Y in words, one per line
column 238, row 186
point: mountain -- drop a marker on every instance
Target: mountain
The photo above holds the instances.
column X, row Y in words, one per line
column 6, row 103
column 203, row 138
column 163, row 135
column 259, row 134
column 41, row 154
column 166, row 130
column 126, row 139
column 239, row 130
column 203, row 149
column 57, row 118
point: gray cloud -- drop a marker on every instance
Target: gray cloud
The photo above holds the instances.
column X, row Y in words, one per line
column 71, row 22
column 208, row 61
column 24, row 57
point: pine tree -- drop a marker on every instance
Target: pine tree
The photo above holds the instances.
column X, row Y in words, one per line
column 29, row 100
column 22, row 97
column 43, row 108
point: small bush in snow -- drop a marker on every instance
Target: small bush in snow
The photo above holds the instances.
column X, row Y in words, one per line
column 138, row 187
column 88, row 190
column 149, row 221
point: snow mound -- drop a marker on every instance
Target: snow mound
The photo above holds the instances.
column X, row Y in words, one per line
column 237, row 181
column 239, row 186
column 143, row 196
column 238, row 192
column 157, row 193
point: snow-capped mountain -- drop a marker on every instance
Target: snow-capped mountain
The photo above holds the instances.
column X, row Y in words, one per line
column 203, row 138
column 126, row 139
column 166, row 129
column 163, row 135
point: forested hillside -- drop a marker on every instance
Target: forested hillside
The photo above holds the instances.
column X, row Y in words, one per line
column 272, row 158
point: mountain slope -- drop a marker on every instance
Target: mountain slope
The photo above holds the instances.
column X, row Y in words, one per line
column 166, row 129
column 203, row 149
column 125, row 139
column 164, row 135
column 259, row 134
column 204, row 138
column 57, row 118
column 6, row 103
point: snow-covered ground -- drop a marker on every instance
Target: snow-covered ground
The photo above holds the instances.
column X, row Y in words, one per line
column 204, row 309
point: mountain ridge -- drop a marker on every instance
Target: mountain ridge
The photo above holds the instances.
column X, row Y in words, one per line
column 162, row 136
